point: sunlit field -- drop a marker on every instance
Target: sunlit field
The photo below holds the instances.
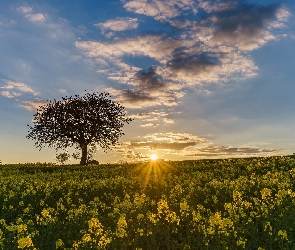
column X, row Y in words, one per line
column 206, row 204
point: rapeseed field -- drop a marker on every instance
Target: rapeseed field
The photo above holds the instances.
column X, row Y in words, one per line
column 206, row 204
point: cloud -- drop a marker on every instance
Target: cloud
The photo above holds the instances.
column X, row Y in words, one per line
column 63, row 91
column 246, row 28
column 219, row 151
column 282, row 14
column 211, row 48
column 9, row 94
column 147, row 125
column 33, row 17
column 33, row 105
column 167, row 141
column 161, row 10
column 153, row 46
column 217, row 6
column 152, row 119
column 14, row 89
column 150, row 90
column 39, row 17
column 118, row 24
column 133, row 98
column 193, row 67
column 168, row 121
column 131, row 155
column 150, row 116
column 25, row 9
column 186, row 145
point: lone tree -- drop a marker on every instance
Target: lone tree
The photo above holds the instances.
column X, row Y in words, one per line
column 79, row 121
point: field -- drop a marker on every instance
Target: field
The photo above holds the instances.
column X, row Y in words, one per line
column 207, row 204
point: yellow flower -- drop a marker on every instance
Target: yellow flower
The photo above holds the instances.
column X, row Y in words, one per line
column 140, row 231
column 45, row 213
column 21, row 228
column 59, row 243
column 184, row 206
column 283, row 235
column 140, row 216
column 242, row 242
column 265, row 192
column 86, row 237
column 25, row 242
column 103, row 241
column 153, row 218
column 121, row 225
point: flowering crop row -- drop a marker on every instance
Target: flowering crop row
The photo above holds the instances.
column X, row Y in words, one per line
column 207, row 204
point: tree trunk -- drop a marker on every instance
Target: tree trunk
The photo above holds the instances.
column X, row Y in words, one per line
column 84, row 155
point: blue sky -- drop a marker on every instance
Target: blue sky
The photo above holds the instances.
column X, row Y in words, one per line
column 201, row 78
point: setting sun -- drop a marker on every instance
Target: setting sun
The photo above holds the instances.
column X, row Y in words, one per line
column 154, row 157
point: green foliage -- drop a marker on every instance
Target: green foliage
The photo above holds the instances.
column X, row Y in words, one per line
column 208, row 204
column 79, row 121
column 62, row 157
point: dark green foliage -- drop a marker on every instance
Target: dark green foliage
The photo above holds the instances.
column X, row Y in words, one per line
column 79, row 121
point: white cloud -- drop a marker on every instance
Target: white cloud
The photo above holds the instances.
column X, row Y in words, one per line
column 33, row 105
column 20, row 86
column 216, row 6
column 25, row 9
column 168, row 121
column 7, row 94
column 119, row 24
column 283, row 14
column 211, row 50
column 161, row 10
column 36, row 17
column 63, row 91
column 147, row 125
column 32, row 17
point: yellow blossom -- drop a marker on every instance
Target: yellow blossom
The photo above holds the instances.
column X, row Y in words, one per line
column 25, row 242
column 45, row 213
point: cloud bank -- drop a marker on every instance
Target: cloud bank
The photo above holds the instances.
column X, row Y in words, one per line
column 206, row 42
column 185, row 146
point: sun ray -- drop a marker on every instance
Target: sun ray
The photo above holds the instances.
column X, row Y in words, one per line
column 151, row 173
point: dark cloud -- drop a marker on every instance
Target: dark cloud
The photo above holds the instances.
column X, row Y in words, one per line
column 150, row 90
column 192, row 65
column 149, row 80
column 135, row 96
column 231, row 151
column 243, row 26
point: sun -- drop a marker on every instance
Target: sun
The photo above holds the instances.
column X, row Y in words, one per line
column 154, row 157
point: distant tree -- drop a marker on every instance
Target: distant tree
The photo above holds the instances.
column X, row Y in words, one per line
column 79, row 121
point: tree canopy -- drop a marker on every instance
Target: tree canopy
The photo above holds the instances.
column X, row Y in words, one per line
column 79, row 121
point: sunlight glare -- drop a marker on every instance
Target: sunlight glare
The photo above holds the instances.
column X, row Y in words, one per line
column 154, row 157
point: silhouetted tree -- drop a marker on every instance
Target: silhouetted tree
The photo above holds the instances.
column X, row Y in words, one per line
column 79, row 121
column 62, row 157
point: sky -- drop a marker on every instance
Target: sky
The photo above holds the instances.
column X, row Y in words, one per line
column 200, row 78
